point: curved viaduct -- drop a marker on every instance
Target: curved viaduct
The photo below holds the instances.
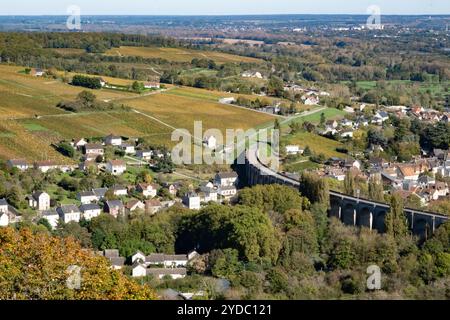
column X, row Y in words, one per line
column 350, row 210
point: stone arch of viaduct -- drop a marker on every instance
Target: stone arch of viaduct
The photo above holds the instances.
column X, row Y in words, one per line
column 350, row 210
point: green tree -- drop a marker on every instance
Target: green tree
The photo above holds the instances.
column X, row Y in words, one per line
column 350, row 186
column 275, row 87
column 395, row 221
column 86, row 98
column 376, row 191
column 315, row 188
column 225, row 263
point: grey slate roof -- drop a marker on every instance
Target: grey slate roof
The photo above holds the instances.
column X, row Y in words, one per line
column 166, row 271
column 90, row 206
column 68, row 208
column 100, row 192
column 50, row 212
column 226, row 175
column 111, row 253
column 114, row 203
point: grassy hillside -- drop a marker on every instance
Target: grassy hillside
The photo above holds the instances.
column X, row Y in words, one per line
column 179, row 54
column 30, row 121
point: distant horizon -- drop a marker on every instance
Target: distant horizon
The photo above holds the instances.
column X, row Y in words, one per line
column 225, row 15
column 222, row 8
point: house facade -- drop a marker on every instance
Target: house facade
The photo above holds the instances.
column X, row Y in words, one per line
column 116, row 167
column 39, row 201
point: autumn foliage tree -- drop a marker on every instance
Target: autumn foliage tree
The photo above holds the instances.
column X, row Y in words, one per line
column 35, row 266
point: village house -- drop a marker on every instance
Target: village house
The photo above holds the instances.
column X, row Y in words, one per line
column 153, row 206
column 311, row 101
column 380, row 117
column 79, row 143
column 346, row 134
column 144, row 154
column 117, row 262
column 20, row 164
column 128, row 148
column 409, row 171
column 134, row 205
column 346, row 123
column 165, row 260
column 51, row 216
column 252, row 74
column 92, row 151
column 227, row 191
column 139, row 270
column 37, row 72
column 113, row 140
column 225, row 179
column 171, row 188
column 208, row 192
column 39, row 201
column 45, row 166
column 349, row 109
column 119, row 191
column 152, row 85
column 86, row 197
column 69, row 213
column 116, row 167
column 115, row 208
column 336, row 173
column 8, row 214
column 192, row 201
column 100, row 192
column 90, row 210
column 227, row 100
column 148, row 190
column 332, row 124
column 293, row 150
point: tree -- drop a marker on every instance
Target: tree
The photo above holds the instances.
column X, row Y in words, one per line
column 276, row 124
column 137, row 86
column 275, row 87
column 86, row 98
column 268, row 198
column 278, row 280
column 350, row 183
column 395, row 221
column 36, row 266
column 87, row 82
column 225, row 263
column 315, row 188
column 66, row 149
column 376, row 191
column 323, row 119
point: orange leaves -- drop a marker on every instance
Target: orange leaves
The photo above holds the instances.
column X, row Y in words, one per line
column 35, row 266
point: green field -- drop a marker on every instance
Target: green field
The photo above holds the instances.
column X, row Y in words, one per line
column 434, row 87
column 316, row 143
column 330, row 114
column 179, row 54
column 25, row 96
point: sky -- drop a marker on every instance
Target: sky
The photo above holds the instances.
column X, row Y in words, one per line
column 222, row 7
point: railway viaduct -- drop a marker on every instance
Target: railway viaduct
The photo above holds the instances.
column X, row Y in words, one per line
column 350, row 210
